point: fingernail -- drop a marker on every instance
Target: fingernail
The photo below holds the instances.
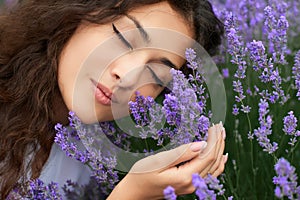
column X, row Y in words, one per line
column 225, row 157
column 221, row 123
column 197, row 146
column 224, row 133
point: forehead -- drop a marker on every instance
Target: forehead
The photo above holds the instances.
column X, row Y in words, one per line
column 167, row 29
column 161, row 15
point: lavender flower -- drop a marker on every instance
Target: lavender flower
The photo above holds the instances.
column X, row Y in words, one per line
column 289, row 127
column 257, row 54
column 169, row 193
column 237, row 87
column 214, row 184
column 139, row 109
column 265, row 130
column 62, row 138
column 290, row 123
column 246, row 109
column 248, row 14
column 172, row 110
column 266, row 53
column 296, row 73
column 202, row 190
column 276, row 30
column 235, row 110
column 207, row 188
column 182, row 109
column 268, row 73
column 39, row 191
column 92, row 190
column 203, row 124
column 235, row 46
column 225, row 73
column 102, row 163
column 190, row 56
column 286, row 180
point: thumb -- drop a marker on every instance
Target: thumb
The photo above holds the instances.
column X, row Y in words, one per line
column 167, row 159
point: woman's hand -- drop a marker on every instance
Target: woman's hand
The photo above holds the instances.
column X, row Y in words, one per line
column 150, row 176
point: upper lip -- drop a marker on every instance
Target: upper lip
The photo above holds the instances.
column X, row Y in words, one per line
column 106, row 91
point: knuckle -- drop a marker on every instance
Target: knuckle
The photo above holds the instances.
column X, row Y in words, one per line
column 184, row 181
column 185, row 186
column 187, row 181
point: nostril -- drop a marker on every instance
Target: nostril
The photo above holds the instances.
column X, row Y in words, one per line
column 117, row 77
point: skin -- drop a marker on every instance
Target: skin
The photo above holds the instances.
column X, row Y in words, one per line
column 80, row 61
column 205, row 159
column 122, row 70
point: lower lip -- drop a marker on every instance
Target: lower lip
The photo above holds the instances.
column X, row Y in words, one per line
column 101, row 97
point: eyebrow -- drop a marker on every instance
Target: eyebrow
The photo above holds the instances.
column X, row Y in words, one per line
column 147, row 40
column 142, row 31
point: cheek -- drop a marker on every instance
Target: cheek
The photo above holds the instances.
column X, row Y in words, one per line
column 152, row 90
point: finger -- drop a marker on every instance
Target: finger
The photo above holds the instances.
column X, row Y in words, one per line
column 221, row 167
column 167, row 159
column 189, row 151
column 214, row 159
column 219, row 156
column 214, row 134
column 198, row 163
column 207, row 156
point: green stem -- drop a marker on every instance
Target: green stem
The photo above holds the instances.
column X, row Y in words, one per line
column 146, row 143
column 292, row 151
column 228, row 180
column 251, row 152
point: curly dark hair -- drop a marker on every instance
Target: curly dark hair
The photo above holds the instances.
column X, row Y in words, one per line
column 32, row 37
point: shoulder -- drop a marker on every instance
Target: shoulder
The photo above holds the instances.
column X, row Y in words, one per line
column 59, row 168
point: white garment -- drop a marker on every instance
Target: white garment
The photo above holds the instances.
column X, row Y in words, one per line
column 59, row 168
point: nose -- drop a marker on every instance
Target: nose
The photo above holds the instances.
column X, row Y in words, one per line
column 127, row 70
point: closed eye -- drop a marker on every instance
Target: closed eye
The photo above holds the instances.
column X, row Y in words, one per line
column 121, row 37
column 168, row 63
column 157, row 80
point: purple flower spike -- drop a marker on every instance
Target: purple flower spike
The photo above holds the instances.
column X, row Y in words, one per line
column 290, row 123
column 265, row 130
column 289, row 128
column 169, row 193
column 235, row 46
column 207, row 188
column 296, row 73
column 286, row 180
column 276, row 31
column 37, row 190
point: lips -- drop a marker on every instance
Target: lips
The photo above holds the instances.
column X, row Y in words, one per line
column 102, row 94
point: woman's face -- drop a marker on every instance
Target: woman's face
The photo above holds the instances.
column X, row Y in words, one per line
column 102, row 66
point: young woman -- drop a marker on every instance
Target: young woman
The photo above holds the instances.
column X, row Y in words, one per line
column 43, row 48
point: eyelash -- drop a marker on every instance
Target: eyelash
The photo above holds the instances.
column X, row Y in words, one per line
column 158, row 81
column 121, row 37
column 168, row 63
column 128, row 45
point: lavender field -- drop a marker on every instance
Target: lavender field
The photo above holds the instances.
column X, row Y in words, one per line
column 260, row 65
